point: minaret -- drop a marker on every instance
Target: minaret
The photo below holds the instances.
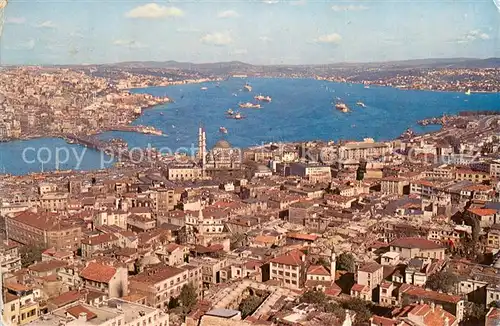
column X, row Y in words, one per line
column 202, row 149
column 333, row 265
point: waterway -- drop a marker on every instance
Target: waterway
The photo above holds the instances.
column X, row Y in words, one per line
column 301, row 109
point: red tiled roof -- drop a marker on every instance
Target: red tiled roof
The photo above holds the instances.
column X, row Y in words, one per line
column 358, row 287
column 432, row 316
column 77, row 310
column 98, row 272
column 302, row 236
column 383, row 321
column 482, row 211
column 493, row 317
column 293, row 258
column 317, row 270
column 370, row 267
column 428, row 294
column 420, row 243
column 66, row 298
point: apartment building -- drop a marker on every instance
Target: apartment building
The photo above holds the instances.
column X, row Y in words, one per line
column 161, row 283
column 417, row 247
column 289, row 269
column 10, row 258
column 45, row 229
column 369, row 277
column 113, row 281
column 21, row 304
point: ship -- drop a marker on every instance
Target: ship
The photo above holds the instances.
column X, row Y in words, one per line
column 468, row 92
column 249, row 105
column 342, row 107
column 247, row 88
column 263, row 98
column 361, row 104
column 223, row 130
column 151, row 131
column 230, row 112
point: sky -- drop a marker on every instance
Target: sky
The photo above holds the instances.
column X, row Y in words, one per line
column 252, row 31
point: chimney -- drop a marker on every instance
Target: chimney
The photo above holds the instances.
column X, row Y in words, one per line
column 82, row 316
column 433, row 306
column 446, row 321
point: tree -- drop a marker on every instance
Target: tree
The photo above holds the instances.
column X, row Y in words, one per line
column 474, row 314
column 30, row 254
column 313, row 296
column 346, row 262
column 361, row 308
column 188, row 296
column 442, row 281
column 336, row 309
column 249, row 305
column 173, row 303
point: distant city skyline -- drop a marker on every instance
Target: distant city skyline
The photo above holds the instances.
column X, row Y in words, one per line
column 256, row 32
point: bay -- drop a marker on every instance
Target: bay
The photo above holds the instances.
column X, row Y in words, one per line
column 301, row 109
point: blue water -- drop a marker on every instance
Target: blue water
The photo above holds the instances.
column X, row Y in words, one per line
column 301, row 109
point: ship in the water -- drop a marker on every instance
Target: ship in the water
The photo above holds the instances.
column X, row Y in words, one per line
column 223, row 130
column 263, row 98
column 230, row 112
column 361, row 104
column 249, row 105
column 342, row 107
column 247, row 88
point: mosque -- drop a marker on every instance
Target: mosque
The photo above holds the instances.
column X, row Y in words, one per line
column 222, row 156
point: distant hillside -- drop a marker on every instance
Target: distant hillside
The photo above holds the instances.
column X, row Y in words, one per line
column 238, row 65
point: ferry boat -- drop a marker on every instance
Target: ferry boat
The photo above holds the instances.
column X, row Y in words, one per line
column 342, row 107
column 204, row 88
column 361, row 104
column 263, row 98
column 247, row 88
column 249, row 105
column 223, row 130
column 230, row 112
column 151, row 131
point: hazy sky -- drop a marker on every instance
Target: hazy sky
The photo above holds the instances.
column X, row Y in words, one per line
column 254, row 31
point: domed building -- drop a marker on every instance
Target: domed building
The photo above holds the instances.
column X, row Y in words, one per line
column 224, row 156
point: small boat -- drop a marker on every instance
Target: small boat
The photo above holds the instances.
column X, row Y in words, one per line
column 342, row 107
column 247, row 88
column 263, row 98
column 238, row 116
column 223, row 130
column 361, row 104
column 249, row 105
column 161, row 113
column 337, row 98
column 217, row 85
column 230, row 112
column 366, row 86
column 468, row 92
column 234, row 94
column 204, row 88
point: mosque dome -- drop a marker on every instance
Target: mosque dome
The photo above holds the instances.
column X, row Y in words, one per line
column 222, row 144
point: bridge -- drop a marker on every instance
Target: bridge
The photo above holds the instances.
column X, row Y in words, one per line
column 118, row 153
